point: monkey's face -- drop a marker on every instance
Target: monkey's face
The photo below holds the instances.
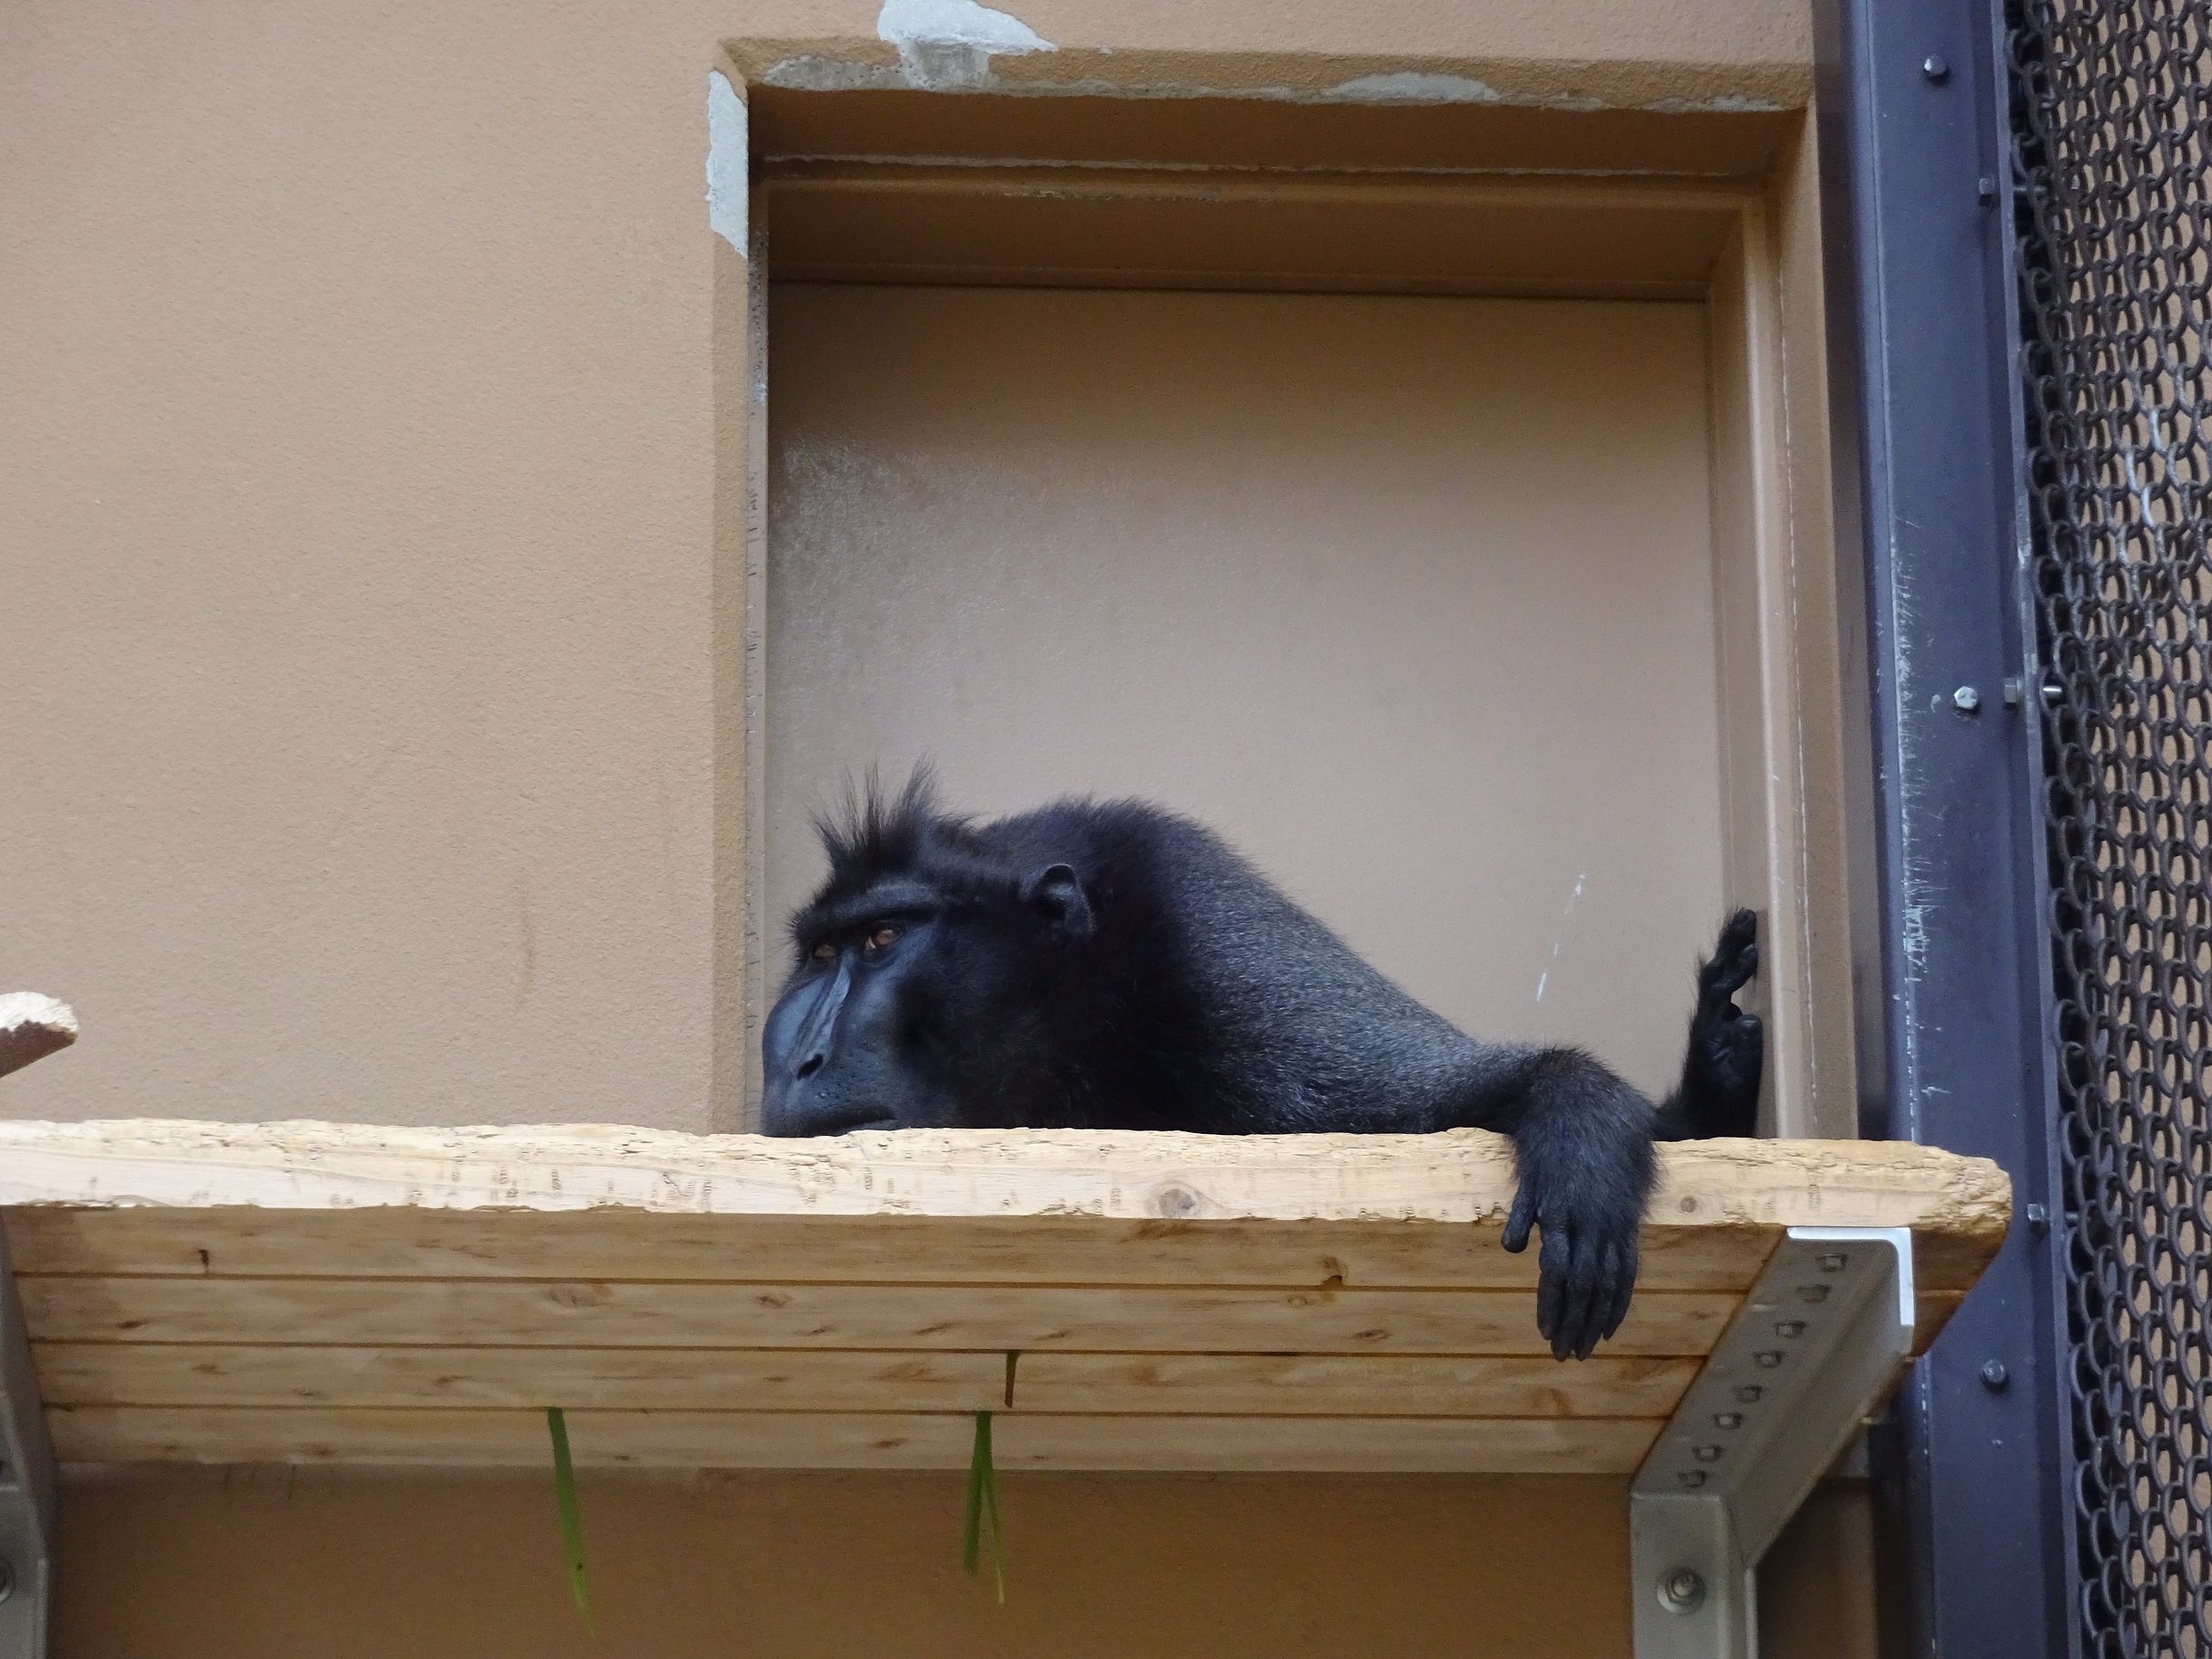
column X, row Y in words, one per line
column 914, row 1008
column 846, row 1043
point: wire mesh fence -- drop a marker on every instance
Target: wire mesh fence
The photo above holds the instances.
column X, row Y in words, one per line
column 2112, row 103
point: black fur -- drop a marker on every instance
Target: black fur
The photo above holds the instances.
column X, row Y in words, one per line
column 1110, row 965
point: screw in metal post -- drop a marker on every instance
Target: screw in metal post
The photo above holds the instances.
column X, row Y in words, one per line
column 1680, row 1590
column 1994, row 1377
column 1935, row 68
column 1966, row 699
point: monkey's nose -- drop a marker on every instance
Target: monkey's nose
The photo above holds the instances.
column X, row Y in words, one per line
column 806, row 1068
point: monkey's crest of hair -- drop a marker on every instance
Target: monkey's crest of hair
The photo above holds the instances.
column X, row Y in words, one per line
column 872, row 836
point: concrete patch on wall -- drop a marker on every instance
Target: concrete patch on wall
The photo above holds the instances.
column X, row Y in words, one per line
column 728, row 160
column 1418, row 87
column 948, row 44
column 1726, row 103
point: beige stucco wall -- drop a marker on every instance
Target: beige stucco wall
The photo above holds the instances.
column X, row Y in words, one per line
column 358, row 518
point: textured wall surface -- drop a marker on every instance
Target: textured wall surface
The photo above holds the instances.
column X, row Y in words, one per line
column 358, row 517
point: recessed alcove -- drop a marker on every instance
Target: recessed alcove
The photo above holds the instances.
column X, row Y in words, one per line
column 1407, row 492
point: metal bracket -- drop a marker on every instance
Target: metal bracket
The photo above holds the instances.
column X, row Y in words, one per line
column 1815, row 1348
column 26, row 1486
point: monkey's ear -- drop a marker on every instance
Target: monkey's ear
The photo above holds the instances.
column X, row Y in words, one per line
column 1056, row 894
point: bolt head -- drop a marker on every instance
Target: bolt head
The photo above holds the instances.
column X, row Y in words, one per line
column 1994, row 1377
column 1681, row 1590
column 1966, row 699
column 1935, row 68
column 1834, row 1263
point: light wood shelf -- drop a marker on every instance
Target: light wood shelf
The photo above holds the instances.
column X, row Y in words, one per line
column 318, row 1292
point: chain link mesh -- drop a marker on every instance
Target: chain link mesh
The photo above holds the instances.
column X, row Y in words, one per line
column 2112, row 106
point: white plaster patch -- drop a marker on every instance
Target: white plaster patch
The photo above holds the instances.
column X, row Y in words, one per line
column 1413, row 87
column 1725, row 103
column 943, row 44
column 1418, row 87
column 728, row 160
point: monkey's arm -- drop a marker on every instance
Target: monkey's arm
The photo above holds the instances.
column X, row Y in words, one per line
column 1582, row 1152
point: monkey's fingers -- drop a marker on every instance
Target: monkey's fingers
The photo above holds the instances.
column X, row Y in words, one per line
column 1518, row 1219
column 1570, row 1334
column 1553, row 1291
column 1738, row 931
column 1624, row 1287
column 1726, row 974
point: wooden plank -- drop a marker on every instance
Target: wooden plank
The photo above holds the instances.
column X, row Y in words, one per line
column 695, row 1439
column 392, row 1244
column 469, row 1313
column 1460, row 1176
column 788, row 1380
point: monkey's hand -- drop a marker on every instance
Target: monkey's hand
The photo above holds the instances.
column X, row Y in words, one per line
column 1728, row 1047
column 1588, row 1201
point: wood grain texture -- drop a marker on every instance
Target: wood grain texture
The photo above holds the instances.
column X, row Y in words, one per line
column 1459, row 1176
column 799, row 1380
column 769, row 1440
column 240, row 1242
column 1102, row 1319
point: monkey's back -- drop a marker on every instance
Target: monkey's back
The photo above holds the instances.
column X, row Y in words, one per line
column 1227, row 1006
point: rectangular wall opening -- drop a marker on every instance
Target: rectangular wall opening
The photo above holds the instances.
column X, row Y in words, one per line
column 1420, row 526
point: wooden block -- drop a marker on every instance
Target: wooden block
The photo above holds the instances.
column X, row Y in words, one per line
column 33, row 1026
column 238, row 1242
column 707, row 1439
column 474, row 1313
column 799, row 1380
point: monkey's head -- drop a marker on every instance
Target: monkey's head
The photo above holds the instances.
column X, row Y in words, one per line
column 927, row 970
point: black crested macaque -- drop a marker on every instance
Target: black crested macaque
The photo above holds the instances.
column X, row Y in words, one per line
column 1109, row 965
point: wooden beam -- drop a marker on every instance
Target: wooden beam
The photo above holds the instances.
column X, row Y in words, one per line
column 33, row 1026
column 800, row 1379
column 238, row 1242
column 1098, row 1318
column 1460, row 1176
column 769, row 1440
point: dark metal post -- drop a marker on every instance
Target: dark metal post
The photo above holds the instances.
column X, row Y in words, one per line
column 1916, row 189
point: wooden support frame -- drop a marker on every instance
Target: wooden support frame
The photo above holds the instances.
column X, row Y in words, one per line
column 947, row 188
column 321, row 1293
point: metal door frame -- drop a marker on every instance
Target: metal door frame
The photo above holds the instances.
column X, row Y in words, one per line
column 1948, row 879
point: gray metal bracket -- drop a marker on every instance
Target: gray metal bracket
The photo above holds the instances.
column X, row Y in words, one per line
column 1816, row 1349
column 26, row 1486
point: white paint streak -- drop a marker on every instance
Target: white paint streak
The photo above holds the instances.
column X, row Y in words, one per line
column 1558, row 944
column 949, row 44
column 727, row 161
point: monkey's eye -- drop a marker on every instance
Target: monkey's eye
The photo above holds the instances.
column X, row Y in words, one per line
column 882, row 937
column 824, row 951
